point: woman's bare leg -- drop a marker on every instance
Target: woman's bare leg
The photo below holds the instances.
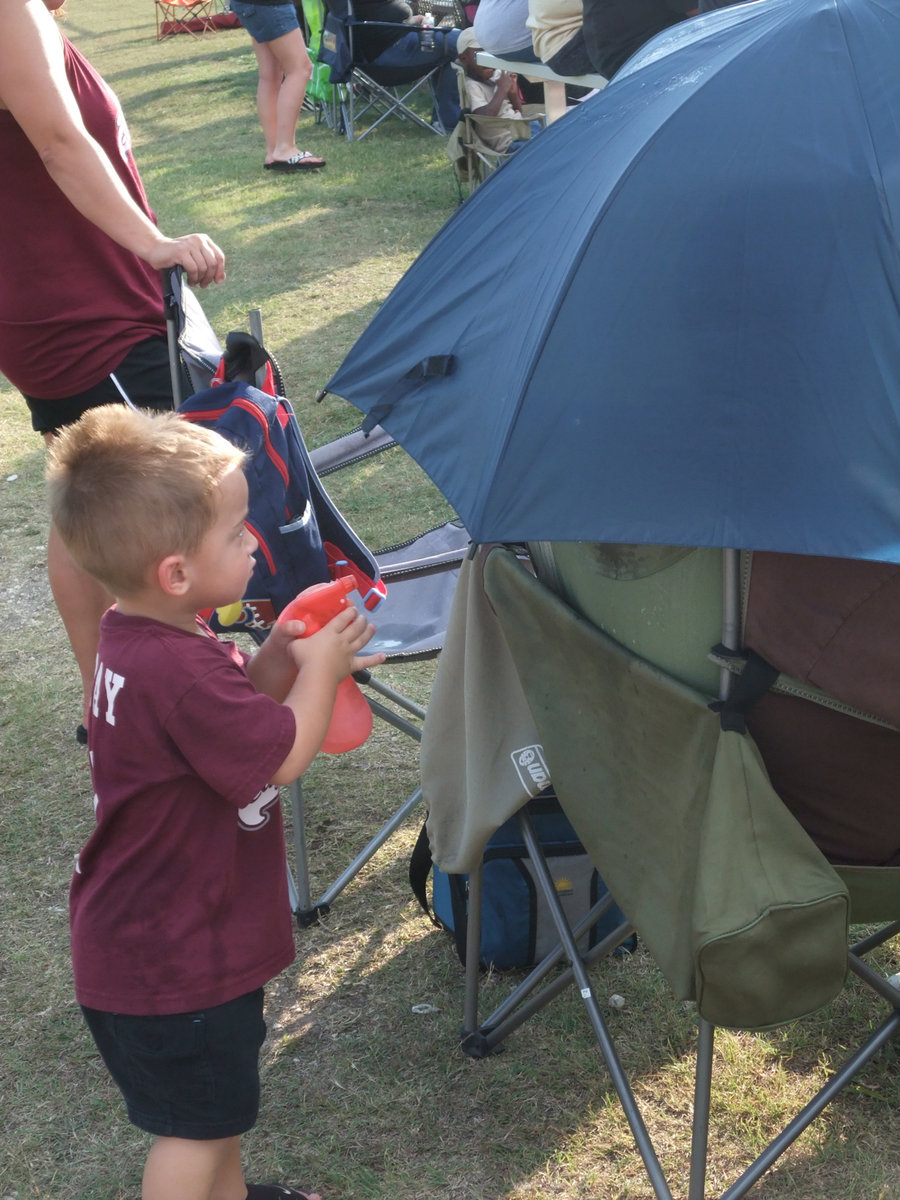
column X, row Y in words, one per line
column 81, row 602
column 284, row 72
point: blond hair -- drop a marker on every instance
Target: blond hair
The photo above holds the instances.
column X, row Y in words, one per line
column 127, row 489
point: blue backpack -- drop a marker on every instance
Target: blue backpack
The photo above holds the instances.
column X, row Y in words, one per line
column 303, row 539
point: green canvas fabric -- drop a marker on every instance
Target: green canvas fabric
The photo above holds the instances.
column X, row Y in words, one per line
column 670, row 612
column 874, row 893
column 738, row 907
column 480, row 761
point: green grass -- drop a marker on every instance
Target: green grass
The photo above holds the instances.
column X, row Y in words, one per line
column 362, row 1097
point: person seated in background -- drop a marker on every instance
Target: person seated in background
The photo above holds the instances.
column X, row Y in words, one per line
column 501, row 27
column 615, row 29
column 491, row 93
column 403, row 47
column 557, row 31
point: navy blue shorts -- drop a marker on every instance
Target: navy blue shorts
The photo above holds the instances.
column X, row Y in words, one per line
column 193, row 1075
column 266, row 22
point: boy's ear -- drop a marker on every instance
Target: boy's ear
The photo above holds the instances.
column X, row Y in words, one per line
column 172, row 576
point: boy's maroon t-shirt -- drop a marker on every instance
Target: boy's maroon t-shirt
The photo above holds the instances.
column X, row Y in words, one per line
column 179, row 899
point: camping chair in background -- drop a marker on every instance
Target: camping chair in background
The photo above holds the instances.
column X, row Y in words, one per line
column 739, row 909
column 363, row 87
column 449, row 13
column 194, row 17
column 320, row 92
column 469, row 148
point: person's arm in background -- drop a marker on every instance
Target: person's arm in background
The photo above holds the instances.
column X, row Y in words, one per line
column 35, row 90
column 506, row 88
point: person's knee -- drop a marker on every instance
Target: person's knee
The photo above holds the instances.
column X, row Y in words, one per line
column 304, row 70
column 270, row 73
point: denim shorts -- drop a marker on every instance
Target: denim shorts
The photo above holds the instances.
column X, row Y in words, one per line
column 192, row 1075
column 266, row 22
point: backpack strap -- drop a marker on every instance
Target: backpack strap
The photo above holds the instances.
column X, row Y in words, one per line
column 420, row 865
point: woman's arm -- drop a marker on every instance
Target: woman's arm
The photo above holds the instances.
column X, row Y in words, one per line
column 34, row 88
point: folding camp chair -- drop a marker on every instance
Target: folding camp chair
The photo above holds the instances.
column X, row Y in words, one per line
column 673, row 803
column 363, row 87
column 472, row 145
column 411, row 621
column 320, row 92
column 194, row 17
column 420, row 574
column 194, row 350
column 445, row 12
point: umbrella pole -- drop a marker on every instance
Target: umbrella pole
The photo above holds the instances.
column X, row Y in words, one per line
column 731, row 612
column 731, row 639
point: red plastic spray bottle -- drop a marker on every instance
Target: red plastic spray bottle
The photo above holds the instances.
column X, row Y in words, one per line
column 351, row 720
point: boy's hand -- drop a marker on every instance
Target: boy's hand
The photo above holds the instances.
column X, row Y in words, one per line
column 336, row 646
column 286, row 632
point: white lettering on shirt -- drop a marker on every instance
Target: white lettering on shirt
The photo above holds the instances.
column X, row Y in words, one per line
column 112, row 684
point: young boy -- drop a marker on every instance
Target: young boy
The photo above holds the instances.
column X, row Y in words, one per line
column 490, row 93
column 179, row 906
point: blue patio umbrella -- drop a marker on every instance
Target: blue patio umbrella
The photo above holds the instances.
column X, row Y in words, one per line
column 674, row 317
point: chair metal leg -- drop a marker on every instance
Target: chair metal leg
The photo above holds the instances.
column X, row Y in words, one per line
column 384, row 689
column 371, row 848
column 819, row 1102
column 375, row 94
column 470, row 1032
column 874, row 979
column 305, row 909
column 529, row 997
column 303, row 903
column 700, row 1128
column 610, row 1056
column 307, row 912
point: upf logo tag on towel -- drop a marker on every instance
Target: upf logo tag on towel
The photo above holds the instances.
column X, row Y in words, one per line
column 531, row 768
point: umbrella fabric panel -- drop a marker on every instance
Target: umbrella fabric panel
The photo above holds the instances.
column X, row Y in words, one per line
column 675, row 313
column 737, row 298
